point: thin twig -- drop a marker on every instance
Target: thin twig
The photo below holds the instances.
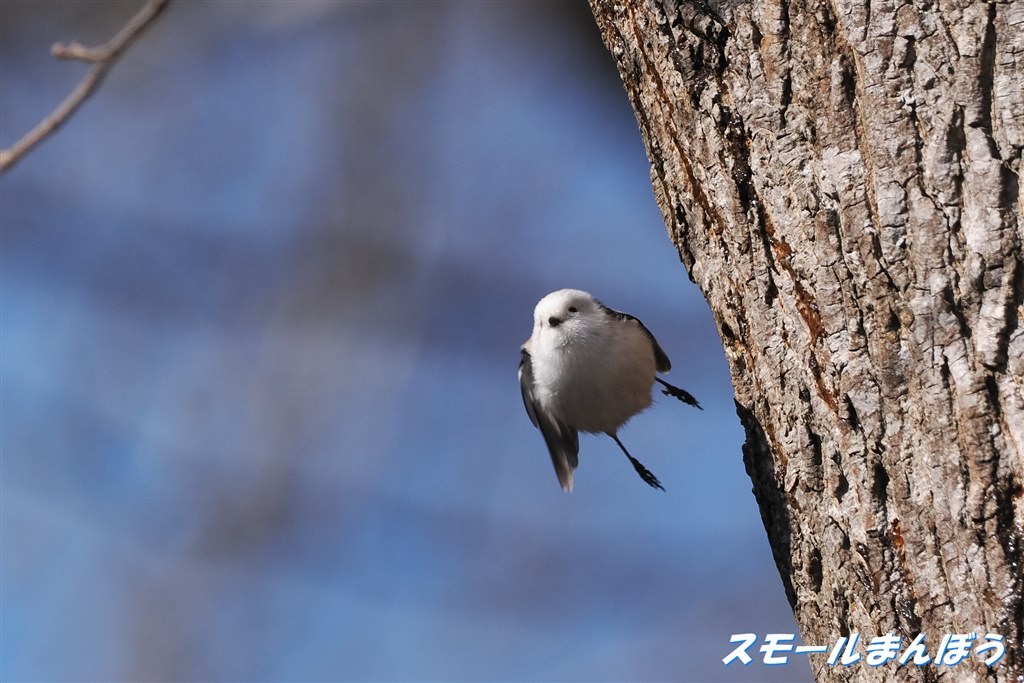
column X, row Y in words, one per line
column 102, row 58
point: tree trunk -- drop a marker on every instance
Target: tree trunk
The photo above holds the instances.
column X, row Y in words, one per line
column 841, row 181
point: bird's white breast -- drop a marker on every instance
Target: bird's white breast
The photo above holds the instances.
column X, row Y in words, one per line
column 594, row 377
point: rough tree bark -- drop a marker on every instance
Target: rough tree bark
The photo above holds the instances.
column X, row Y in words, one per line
column 841, row 180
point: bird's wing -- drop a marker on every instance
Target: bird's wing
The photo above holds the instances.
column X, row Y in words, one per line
column 661, row 361
column 563, row 441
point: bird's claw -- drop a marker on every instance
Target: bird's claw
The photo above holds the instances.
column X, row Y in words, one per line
column 675, row 392
column 646, row 474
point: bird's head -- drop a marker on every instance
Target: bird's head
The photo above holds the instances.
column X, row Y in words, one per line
column 565, row 314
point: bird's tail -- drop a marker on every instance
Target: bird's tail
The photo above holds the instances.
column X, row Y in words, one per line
column 564, row 471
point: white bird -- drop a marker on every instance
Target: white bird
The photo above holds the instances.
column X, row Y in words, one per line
column 587, row 368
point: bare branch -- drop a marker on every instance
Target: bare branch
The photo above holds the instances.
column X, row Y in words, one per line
column 102, row 58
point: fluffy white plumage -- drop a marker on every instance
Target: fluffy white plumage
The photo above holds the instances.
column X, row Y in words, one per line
column 588, row 368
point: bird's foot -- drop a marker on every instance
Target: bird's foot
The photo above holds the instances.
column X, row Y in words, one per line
column 645, row 474
column 675, row 392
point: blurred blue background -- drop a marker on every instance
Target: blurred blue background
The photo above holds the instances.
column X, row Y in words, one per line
column 262, row 299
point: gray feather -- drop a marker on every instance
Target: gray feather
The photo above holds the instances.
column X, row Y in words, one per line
column 563, row 441
column 661, row 361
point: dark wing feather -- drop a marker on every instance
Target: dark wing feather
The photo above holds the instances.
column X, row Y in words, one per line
column 661, row 361
column 563, row 441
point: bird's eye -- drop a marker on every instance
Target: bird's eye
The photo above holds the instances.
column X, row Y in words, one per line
column 572, row 309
